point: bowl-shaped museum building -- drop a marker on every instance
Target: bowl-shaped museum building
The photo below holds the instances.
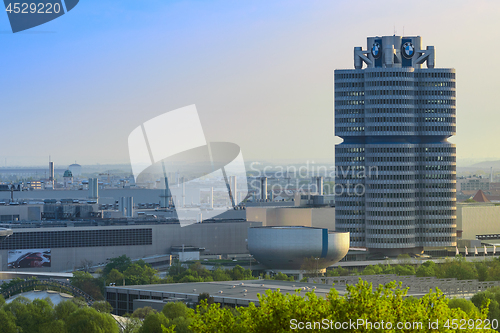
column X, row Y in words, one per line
column 287, row 248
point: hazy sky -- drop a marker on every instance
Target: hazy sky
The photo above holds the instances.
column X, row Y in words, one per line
column 259, row 72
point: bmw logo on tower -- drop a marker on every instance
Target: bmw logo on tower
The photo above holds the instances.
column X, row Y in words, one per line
column 408, row 50
column 376, row 52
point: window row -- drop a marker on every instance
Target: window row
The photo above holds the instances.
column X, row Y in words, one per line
column 434, row 230
column 349, row 84
column 434, row 239
column 437, row 101
column 350, row 111
column 407, row 129
column 435, row 93
column 350, row 129
column 349, row 93
column 390, row 240
column 390, row 92
column 349, row 75
column 388, row 74
column 391, row 222
column 391, row 213
column 349, row 120
column 350, row 150
column 408, row 204
column 391, row 195
column 424, row 74
column 406, row 110
column 349, row 102
column 78, row 238
column 390, row 232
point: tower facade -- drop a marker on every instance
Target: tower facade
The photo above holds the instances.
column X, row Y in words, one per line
column 396, row 171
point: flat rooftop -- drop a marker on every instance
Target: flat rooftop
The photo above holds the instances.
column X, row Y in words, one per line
column 237, row 292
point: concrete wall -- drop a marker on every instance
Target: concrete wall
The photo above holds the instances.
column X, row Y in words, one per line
column 216, row 238
column 323, row 217
column 478, row 219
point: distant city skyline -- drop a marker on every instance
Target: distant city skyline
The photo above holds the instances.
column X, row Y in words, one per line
column 77, row 86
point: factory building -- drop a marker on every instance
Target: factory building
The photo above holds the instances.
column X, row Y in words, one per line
column 55, row 246
column 395, row 166
column 478, row 221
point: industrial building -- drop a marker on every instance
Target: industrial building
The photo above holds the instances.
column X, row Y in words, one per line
column 478, row 221
column 57, row 246
column 396, row 168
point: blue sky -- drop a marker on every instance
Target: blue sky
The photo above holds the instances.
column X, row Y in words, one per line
column 259, row 72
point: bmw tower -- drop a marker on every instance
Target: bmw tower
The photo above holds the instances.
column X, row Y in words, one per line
column 396, row 171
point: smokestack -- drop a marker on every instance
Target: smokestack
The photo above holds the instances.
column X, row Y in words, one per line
column 263, row 188
column 51, row 171
column 319, row 185
column 93, row 189
column 491, row 175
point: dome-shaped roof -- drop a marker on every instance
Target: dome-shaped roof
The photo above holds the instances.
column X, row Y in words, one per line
column 68, row 173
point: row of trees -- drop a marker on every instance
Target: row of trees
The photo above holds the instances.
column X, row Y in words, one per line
column 41, row 316
column 458, row 267
column 123, row 271
column 359, row 308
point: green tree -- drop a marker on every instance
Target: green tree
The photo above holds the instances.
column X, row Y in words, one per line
column 174, row 310
column 404, row 270
column 142, row 313
column 120, row 263
column 86, row 282
column 42, row 315
column 283, row 277
column 427, row 269
column 89, row 320
column 153, row 323
column 237, row 273
column 491, row 297
column 7, row 322
column 176, row 268
column 338, row 271
column 64, row 309
column 458, row 268
column 220, row 274
column 102, row 306
column 115, row 276
column 464, row 304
